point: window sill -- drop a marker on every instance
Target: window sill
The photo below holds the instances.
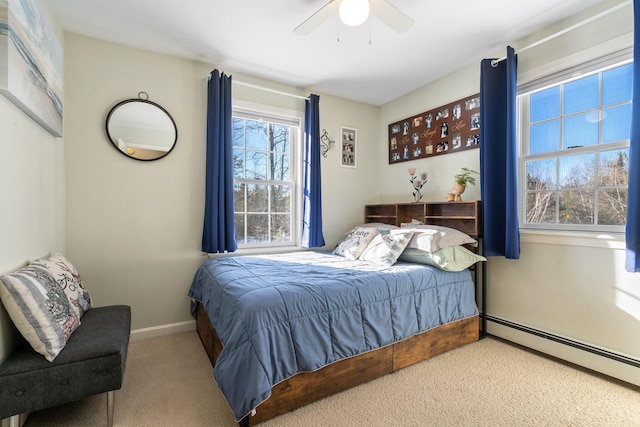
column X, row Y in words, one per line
column 574, row 238
column 260, row 251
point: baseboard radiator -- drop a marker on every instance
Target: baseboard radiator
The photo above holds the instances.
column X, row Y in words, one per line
column 618, row 357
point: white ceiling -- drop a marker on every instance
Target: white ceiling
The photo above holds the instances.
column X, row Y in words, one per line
column 256, row 37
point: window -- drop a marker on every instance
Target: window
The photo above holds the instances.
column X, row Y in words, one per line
column 575, row 151
column 264, row 178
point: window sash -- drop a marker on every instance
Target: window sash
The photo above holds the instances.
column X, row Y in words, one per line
column 596, row 67
column 271, row 213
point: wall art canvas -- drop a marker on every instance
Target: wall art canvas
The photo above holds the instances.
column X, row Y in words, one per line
column 31, row 63
column 447, row 129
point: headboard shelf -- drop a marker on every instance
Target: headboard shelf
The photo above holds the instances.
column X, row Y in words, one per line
column 463, row 216
column 449, row 217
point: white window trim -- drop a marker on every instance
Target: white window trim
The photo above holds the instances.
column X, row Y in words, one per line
column 607, row 48
column 622, row 46
column 574, row 238
column 297, row 173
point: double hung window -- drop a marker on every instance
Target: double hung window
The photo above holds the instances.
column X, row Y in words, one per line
column 574, row 161
column 264, row 177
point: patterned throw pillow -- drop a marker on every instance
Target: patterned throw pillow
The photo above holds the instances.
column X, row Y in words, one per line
column 45, row 300
column 387, row 246
column 355, row 242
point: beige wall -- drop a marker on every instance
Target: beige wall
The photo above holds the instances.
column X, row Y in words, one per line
column 134, row 228
column 32, row 194
column 572, row 287
column 394, row 179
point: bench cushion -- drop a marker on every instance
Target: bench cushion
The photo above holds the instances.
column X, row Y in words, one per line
column 92, row 362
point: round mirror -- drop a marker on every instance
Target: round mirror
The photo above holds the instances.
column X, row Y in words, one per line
column 141, row 129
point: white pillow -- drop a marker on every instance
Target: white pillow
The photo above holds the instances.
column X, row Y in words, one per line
column 430, row 238
column 377, row 224
column 386, row 246
column 355, row 242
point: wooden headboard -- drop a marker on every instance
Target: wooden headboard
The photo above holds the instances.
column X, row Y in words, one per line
column 463, row 216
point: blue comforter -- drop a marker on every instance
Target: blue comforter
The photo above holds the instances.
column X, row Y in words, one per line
column 278, row 315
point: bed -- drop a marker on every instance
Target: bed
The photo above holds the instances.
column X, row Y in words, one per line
column 285, row 330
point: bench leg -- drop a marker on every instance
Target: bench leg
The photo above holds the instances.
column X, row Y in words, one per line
column 14, row 421
column 110, row 408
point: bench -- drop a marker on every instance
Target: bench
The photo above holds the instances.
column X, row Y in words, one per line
column 92, row 362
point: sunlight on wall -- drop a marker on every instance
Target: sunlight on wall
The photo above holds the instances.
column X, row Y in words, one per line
column 629, row 302
column 627, row 288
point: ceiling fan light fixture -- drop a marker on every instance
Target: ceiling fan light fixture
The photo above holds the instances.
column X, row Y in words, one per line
column 354, row 12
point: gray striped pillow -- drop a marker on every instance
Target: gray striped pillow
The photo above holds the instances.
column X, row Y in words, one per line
column 45, row 301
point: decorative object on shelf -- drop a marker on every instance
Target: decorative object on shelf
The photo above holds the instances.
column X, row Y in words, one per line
column 417, row 183
column 461, row 180
column 31, row 75
column 327, row 144
column 447, row 129
column 348, row 141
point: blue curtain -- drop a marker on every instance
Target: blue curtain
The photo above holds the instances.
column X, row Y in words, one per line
column 219, row 234
column 632, row 235
column 312, row 210
column 498, row 157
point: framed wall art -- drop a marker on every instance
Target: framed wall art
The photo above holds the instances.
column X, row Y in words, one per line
column 447, row 129
column 348, row 142
column 31, row 74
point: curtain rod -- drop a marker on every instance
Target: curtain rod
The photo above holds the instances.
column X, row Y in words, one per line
column 566, row 30
column 266, row 89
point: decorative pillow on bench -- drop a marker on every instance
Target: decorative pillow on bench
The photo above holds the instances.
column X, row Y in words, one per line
column 45, row 300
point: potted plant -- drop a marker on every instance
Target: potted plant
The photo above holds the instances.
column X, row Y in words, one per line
column 466, row 176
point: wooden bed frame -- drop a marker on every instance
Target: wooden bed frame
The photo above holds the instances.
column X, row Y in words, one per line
column 307, row 387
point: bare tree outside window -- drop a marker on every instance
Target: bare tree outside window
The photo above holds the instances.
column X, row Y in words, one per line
column 576, row 164
column 263, row 187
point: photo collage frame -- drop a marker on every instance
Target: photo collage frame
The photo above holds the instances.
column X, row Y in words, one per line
column 348, row 141
column 447, row 129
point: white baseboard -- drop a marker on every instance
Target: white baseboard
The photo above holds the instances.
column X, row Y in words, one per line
column 157, row 331
column 595, row 362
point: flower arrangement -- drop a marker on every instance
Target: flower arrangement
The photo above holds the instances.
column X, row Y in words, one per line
column 417, row 183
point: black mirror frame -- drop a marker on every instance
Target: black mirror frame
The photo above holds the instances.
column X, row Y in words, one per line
column 140, row 99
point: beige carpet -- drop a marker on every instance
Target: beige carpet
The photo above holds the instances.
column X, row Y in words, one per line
column 169, row 382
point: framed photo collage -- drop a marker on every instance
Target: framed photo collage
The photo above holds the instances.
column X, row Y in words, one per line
column 447, row 129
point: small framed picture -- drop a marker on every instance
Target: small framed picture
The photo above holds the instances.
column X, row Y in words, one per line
column 348, row 141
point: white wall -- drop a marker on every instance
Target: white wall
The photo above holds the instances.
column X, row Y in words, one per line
column 572, row 287
column 134, row 228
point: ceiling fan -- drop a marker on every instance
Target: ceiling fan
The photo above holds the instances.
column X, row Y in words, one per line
column 356, row 12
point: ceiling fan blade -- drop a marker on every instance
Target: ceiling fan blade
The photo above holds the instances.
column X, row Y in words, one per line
column 314, row 21
column 391, row 16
